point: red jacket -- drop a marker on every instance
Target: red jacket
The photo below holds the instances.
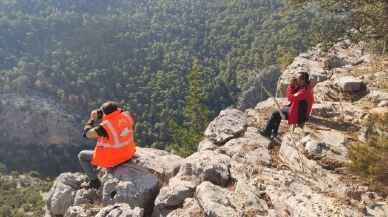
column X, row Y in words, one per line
column 304, row 94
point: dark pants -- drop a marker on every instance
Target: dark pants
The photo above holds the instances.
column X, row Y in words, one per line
column 274, row 122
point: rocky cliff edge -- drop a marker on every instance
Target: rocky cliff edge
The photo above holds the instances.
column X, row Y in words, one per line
column 238, row 173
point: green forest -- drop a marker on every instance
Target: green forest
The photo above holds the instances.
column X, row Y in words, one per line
column 141, row 53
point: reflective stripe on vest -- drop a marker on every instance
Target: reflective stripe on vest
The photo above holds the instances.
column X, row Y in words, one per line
column 117, row 143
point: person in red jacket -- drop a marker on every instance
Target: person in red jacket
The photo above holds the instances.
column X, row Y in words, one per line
column 301, row 98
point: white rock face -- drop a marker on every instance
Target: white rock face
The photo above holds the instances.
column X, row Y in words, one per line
column 206, row 166
column 131, row 184
column 173, row 195
column 206, row 144
column 120, row 210
column 215, row 200
column 61, row 195
column 229, row 124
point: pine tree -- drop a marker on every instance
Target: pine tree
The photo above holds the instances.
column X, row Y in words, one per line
column 195, row 111
column 187, row 135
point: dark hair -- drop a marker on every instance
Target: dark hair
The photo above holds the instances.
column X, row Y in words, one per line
column 109, row 107
column 305, row 76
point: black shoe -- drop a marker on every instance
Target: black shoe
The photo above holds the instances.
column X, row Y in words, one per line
column 265, row 134
column 95, row 183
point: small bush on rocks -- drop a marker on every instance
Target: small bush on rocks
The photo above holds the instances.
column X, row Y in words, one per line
column 370, row 159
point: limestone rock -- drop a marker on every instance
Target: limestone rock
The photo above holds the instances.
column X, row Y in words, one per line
column 215, row 200
column 190, row 208
column 383, row 103
column 162, row 163
column 206, row 144
column 325, row 110
column 377, row 96
column 350, row 84
column 244, row 201
column 206, row 166
column 131, row 184
column 247, row 153
column 249, row 200
column 326, row 144
column 120, row 210
column 315, row 149
column 61, row 195
column 379, row 209
column 270, row 104
column 85, row 196
column 77, row 211
column 333, row 61
column 173, row 196
column 230, row 123
column 327, row 91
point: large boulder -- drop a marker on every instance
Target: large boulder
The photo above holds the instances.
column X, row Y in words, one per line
column 130, row 184
column 206, row 144
column 350, row 84
column 219, row 202
column 206, row 166
column 173, row 195
column 247, row 153
column 120, row 210
column 230, row 123
column 215, row 200
column 327, row 147
column 161, row 163
column 324, row 110
column 63, row 192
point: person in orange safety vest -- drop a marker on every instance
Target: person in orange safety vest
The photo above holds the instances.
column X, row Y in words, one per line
column 115, row 140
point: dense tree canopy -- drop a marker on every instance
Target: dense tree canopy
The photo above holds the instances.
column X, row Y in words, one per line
column 140, row 52
column 367, row 19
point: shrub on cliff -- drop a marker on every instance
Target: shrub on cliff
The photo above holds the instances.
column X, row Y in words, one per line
column 370, row 159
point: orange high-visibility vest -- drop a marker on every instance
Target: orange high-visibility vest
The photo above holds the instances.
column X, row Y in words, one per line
column 119, row 146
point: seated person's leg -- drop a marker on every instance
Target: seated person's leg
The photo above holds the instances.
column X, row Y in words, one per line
column 302, row 113
column 284, row 110
column 85, row 157
column 272, row 123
